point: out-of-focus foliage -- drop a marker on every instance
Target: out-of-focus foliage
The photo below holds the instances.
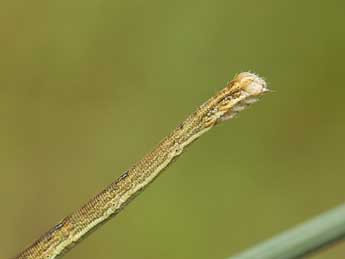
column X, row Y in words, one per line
column 88, row 87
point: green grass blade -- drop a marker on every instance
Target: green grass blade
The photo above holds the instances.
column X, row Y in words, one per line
column 302, row 239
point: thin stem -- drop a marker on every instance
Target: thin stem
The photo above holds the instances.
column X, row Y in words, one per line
column 303, row 239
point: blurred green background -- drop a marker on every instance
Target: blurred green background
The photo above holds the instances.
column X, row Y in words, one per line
column 88, row 87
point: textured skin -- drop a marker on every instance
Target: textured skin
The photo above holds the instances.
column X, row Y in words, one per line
column 238, row 93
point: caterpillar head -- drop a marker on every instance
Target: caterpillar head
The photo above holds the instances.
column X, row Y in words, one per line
column 243, row 90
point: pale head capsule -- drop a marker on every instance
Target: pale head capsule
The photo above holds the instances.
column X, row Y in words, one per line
column 243, row 90
column 251, row 83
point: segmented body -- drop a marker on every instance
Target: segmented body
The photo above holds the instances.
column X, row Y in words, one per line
column 243, row 90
